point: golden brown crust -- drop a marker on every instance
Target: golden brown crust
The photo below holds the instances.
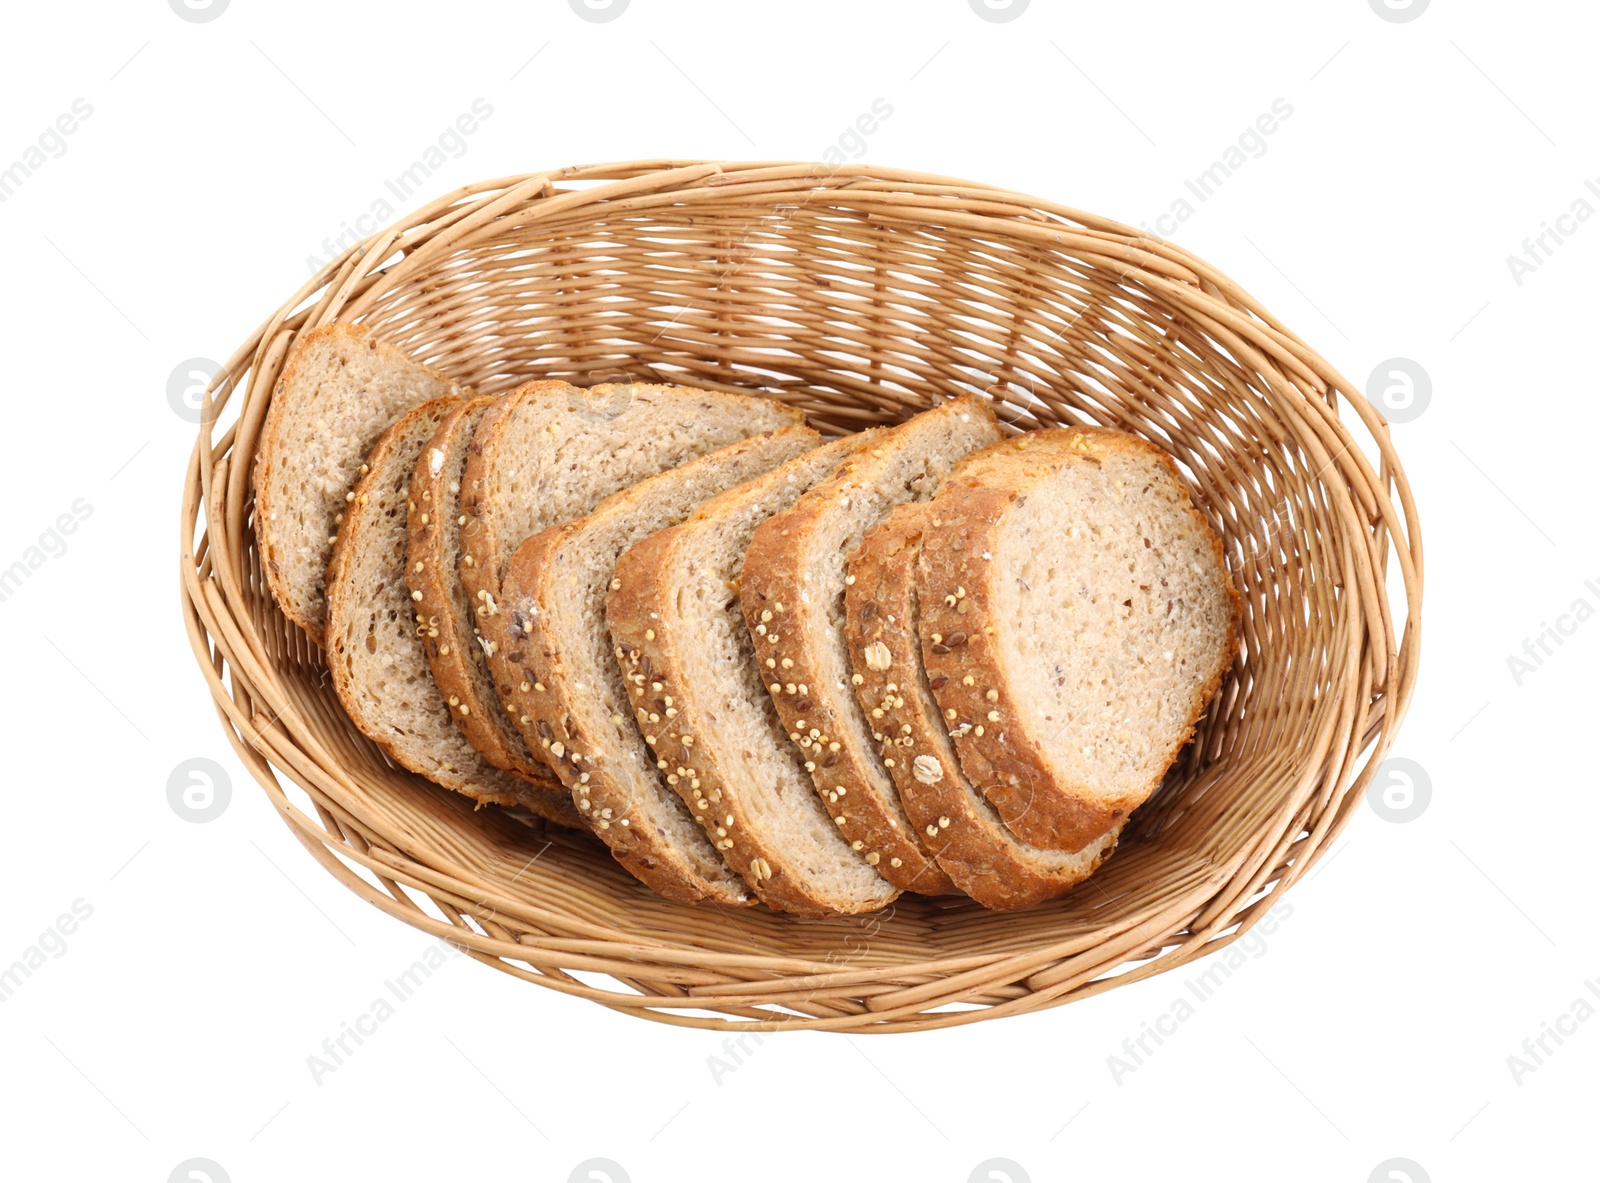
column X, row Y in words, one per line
column 1005, row 766
column 483, row 560
column 485, row 717
column 266, row 508
column 556, row 734
column 558, row 709
column 769, row 586
column 352, row 534
column 881, row 608
column 268, row 450
column 956, row 590
column 478, row 536
column 431, row 570
column 648, row 648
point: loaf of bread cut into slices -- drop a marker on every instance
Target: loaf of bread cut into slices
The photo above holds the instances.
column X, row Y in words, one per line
column 340, row 389
column 573, row 705
column 433, row 555
column 792, row 591
column 966, row 835
column 375, row 640
column 680, row 638
column 1076, row 615
column 548, row 453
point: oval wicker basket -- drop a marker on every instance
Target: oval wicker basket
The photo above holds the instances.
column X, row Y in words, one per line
column 861, row 296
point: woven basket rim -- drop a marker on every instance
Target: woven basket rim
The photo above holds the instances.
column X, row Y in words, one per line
column 407, row 851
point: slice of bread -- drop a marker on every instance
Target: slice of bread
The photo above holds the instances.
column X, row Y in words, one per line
column 1076, row 615
column 374, row 638
column 674, row 617
column 340, row 389
column 548, row 453
column 792, row 591
column 433, row 555
column 573, row 706
column 966, row 835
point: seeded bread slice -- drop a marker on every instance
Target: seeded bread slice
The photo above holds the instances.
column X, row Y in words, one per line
column 433, row 555
column 580, row 715
column 792, row 593
column 966, row 835
column 674, row 617
column 1076, row 616
column 375, row 655
column 340, row 389
column 548, row 453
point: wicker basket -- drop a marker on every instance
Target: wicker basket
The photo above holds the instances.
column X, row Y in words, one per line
column 861, row 296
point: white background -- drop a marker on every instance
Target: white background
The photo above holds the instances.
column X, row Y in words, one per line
column 1377, row 1021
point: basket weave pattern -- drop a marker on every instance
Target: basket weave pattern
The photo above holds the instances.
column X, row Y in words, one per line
column 861, row 297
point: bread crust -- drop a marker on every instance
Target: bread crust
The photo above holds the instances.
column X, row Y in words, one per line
column 647, row 856
column 881, row 608
column 770, row 592
column 481, row 711
column 484, row 784
column 546, row 703
column 270, row 453
column 482, row 564
column 966, row 518
column 648, row 643
column 555, row 727
column 432, row 569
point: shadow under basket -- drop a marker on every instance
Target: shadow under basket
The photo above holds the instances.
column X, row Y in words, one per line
column 860, row 295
